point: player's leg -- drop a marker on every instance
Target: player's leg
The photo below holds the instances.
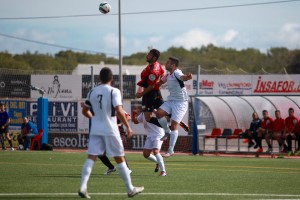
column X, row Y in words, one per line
column 164, row 110
column 105, row 160
column 289, row 139
column 152, row 102
column 2, row 140
column 147, row 151
column 159, row 158
column 95, row 147
column 298, row 142
column 21, row 141
column 268, row 138
column 7, row 136
column 173, row 138
column 114, row 148
column 178, row 110
column 260, row 134
column 149, row 118
column 278, row 137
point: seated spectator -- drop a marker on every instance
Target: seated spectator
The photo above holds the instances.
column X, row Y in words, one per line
column 278, row 129
column 252, row 132
column 297, row 133
column 265, row 129
column 28, row 131
column 289, row 135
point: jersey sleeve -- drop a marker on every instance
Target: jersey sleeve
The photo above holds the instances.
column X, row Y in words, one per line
column 139, row 118
column 178, row 73
column 116, row 97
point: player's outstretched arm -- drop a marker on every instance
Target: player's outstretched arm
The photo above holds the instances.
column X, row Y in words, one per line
column 145, row 91
column 121, row 115
column 186, row 77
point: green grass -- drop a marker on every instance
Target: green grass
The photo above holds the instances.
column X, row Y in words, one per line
column 56, row 175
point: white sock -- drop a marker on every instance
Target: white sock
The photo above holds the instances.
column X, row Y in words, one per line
column 173, row 139
column 164, row 124
column 125, row 175
column 152, row 158
column 85, row 174
column 160, row 162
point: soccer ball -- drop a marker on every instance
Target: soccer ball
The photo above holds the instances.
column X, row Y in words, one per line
column 104, row 7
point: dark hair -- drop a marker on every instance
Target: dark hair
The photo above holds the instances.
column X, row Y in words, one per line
column 265, row 111
column 155, row 52
column 291, row 109
column 1, row 104
column 174, row 60
column 106, row 75
column 277, row 111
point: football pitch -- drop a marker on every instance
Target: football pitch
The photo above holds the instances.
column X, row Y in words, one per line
column 56, row 175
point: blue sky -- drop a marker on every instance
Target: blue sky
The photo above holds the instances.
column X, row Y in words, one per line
column 260, row 27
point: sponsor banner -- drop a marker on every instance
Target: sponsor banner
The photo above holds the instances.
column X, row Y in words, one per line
column 128, row 85
column 68, row 140
column 224, row 85
column 87, row 84
column 14, row 86
column 276, row 84
column 83, row 122
column 80, row 141
column 17, row 110
column 62, row 115
column 57, row 86
column 248, row 84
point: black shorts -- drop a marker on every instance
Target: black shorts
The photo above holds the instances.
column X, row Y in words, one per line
column 152, row 100
column 5, row 130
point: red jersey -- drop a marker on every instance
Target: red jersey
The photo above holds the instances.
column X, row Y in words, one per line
column 278, row 125
column 297, row 128
column 151, row 75
column 290, row 123
column 267, row 123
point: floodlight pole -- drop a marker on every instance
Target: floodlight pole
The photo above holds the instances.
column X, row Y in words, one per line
column 120, row 53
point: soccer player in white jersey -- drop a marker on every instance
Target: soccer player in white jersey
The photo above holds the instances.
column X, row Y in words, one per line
column 152, row 143
column 176, row 104
column 106, row 102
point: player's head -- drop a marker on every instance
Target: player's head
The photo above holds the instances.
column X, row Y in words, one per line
column 265, row 114
column 277, row 114
column 153, row 55
column 291, row 112
column 106, row 75
column 172, row 63
column 254, row 115
column 25, row 120
column 2, row 106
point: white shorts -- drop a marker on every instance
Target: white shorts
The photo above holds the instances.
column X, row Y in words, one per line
column 112, row 145
column 176, row 108
column 153, row 143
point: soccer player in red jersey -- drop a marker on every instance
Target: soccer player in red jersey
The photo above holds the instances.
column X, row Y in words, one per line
column 289, row 135
column 150, row 77
column 278, row 129
column 265, row 129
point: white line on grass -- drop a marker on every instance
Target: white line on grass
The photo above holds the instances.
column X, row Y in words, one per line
column 159, row 194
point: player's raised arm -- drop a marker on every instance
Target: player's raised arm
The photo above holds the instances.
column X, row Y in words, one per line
column 121, row 115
